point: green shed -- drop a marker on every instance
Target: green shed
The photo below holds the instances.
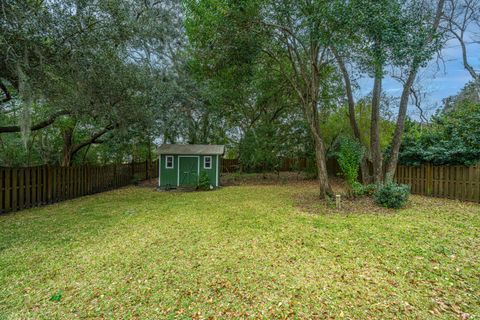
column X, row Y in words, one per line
column 181, row 165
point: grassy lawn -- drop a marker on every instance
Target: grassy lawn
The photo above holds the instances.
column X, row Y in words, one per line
column 239, row 252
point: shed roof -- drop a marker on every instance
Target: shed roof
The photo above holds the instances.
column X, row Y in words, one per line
column 199, row 149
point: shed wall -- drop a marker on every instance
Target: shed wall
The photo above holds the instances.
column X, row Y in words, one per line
column 170, row 176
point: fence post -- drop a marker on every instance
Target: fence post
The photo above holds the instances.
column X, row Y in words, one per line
column 14, row 189
column 429, row 179
column 8, row 186
column 147, row 175
column 1, row 190
column 49, row 184
column 115, row 175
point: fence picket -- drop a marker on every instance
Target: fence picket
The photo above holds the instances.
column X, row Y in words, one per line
column 2, row 188
column 453, row 182
column 27, row 187
column 477, row 182
column 7, row 194
column 33, row 176
column 14, row 189
column 21, row 188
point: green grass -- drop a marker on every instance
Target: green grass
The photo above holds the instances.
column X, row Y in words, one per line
column 239, row 252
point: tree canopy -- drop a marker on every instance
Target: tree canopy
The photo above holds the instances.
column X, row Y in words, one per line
column 107, row 81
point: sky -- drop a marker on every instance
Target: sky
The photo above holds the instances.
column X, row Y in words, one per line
column 439, row 80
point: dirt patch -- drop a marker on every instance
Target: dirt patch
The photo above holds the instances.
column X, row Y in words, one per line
column 309, row 202
column 151, row 183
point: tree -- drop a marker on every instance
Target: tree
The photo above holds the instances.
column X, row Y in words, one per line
column 461, row 17
column 420, row 46
column 91, row 68
column 399, row 34
column 289, row 37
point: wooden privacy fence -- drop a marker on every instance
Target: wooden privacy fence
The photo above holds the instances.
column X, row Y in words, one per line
column 22, row 188
column 453, row 182
column 230, row 165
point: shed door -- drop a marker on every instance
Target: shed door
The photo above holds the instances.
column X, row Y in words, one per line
column 188, row 171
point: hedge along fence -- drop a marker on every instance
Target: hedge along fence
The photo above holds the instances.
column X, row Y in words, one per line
column 22, row 188
column 453, row 182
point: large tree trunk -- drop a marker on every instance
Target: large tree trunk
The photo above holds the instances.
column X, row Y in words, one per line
column 67, row 147
column 320, row 158
column 375, row 128
column 364, row 167
column 70, row 149
column 397, row 135
column 402, row 112
column 324, row 184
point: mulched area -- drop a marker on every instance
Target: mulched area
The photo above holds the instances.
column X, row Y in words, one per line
column 309, row 202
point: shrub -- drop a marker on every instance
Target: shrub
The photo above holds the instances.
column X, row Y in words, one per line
column 136, row 178
column 369, row 189
column 358, row 189
column 392, row 195
column 204, row 182
column 349, row 157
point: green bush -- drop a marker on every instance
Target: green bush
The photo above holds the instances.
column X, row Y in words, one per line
column 392, row 195
column 349, row 157
column 369, row 189
column 136, row 178
column 204, row 182
column 358, row 189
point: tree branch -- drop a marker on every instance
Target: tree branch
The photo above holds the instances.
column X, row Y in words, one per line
column 6, row 93
column 38, row 126
column 93, row 139
column 349, row 93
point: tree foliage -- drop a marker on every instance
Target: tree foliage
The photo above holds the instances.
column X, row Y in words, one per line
column 83, row 71
column 349, row 156
column 452, row 138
